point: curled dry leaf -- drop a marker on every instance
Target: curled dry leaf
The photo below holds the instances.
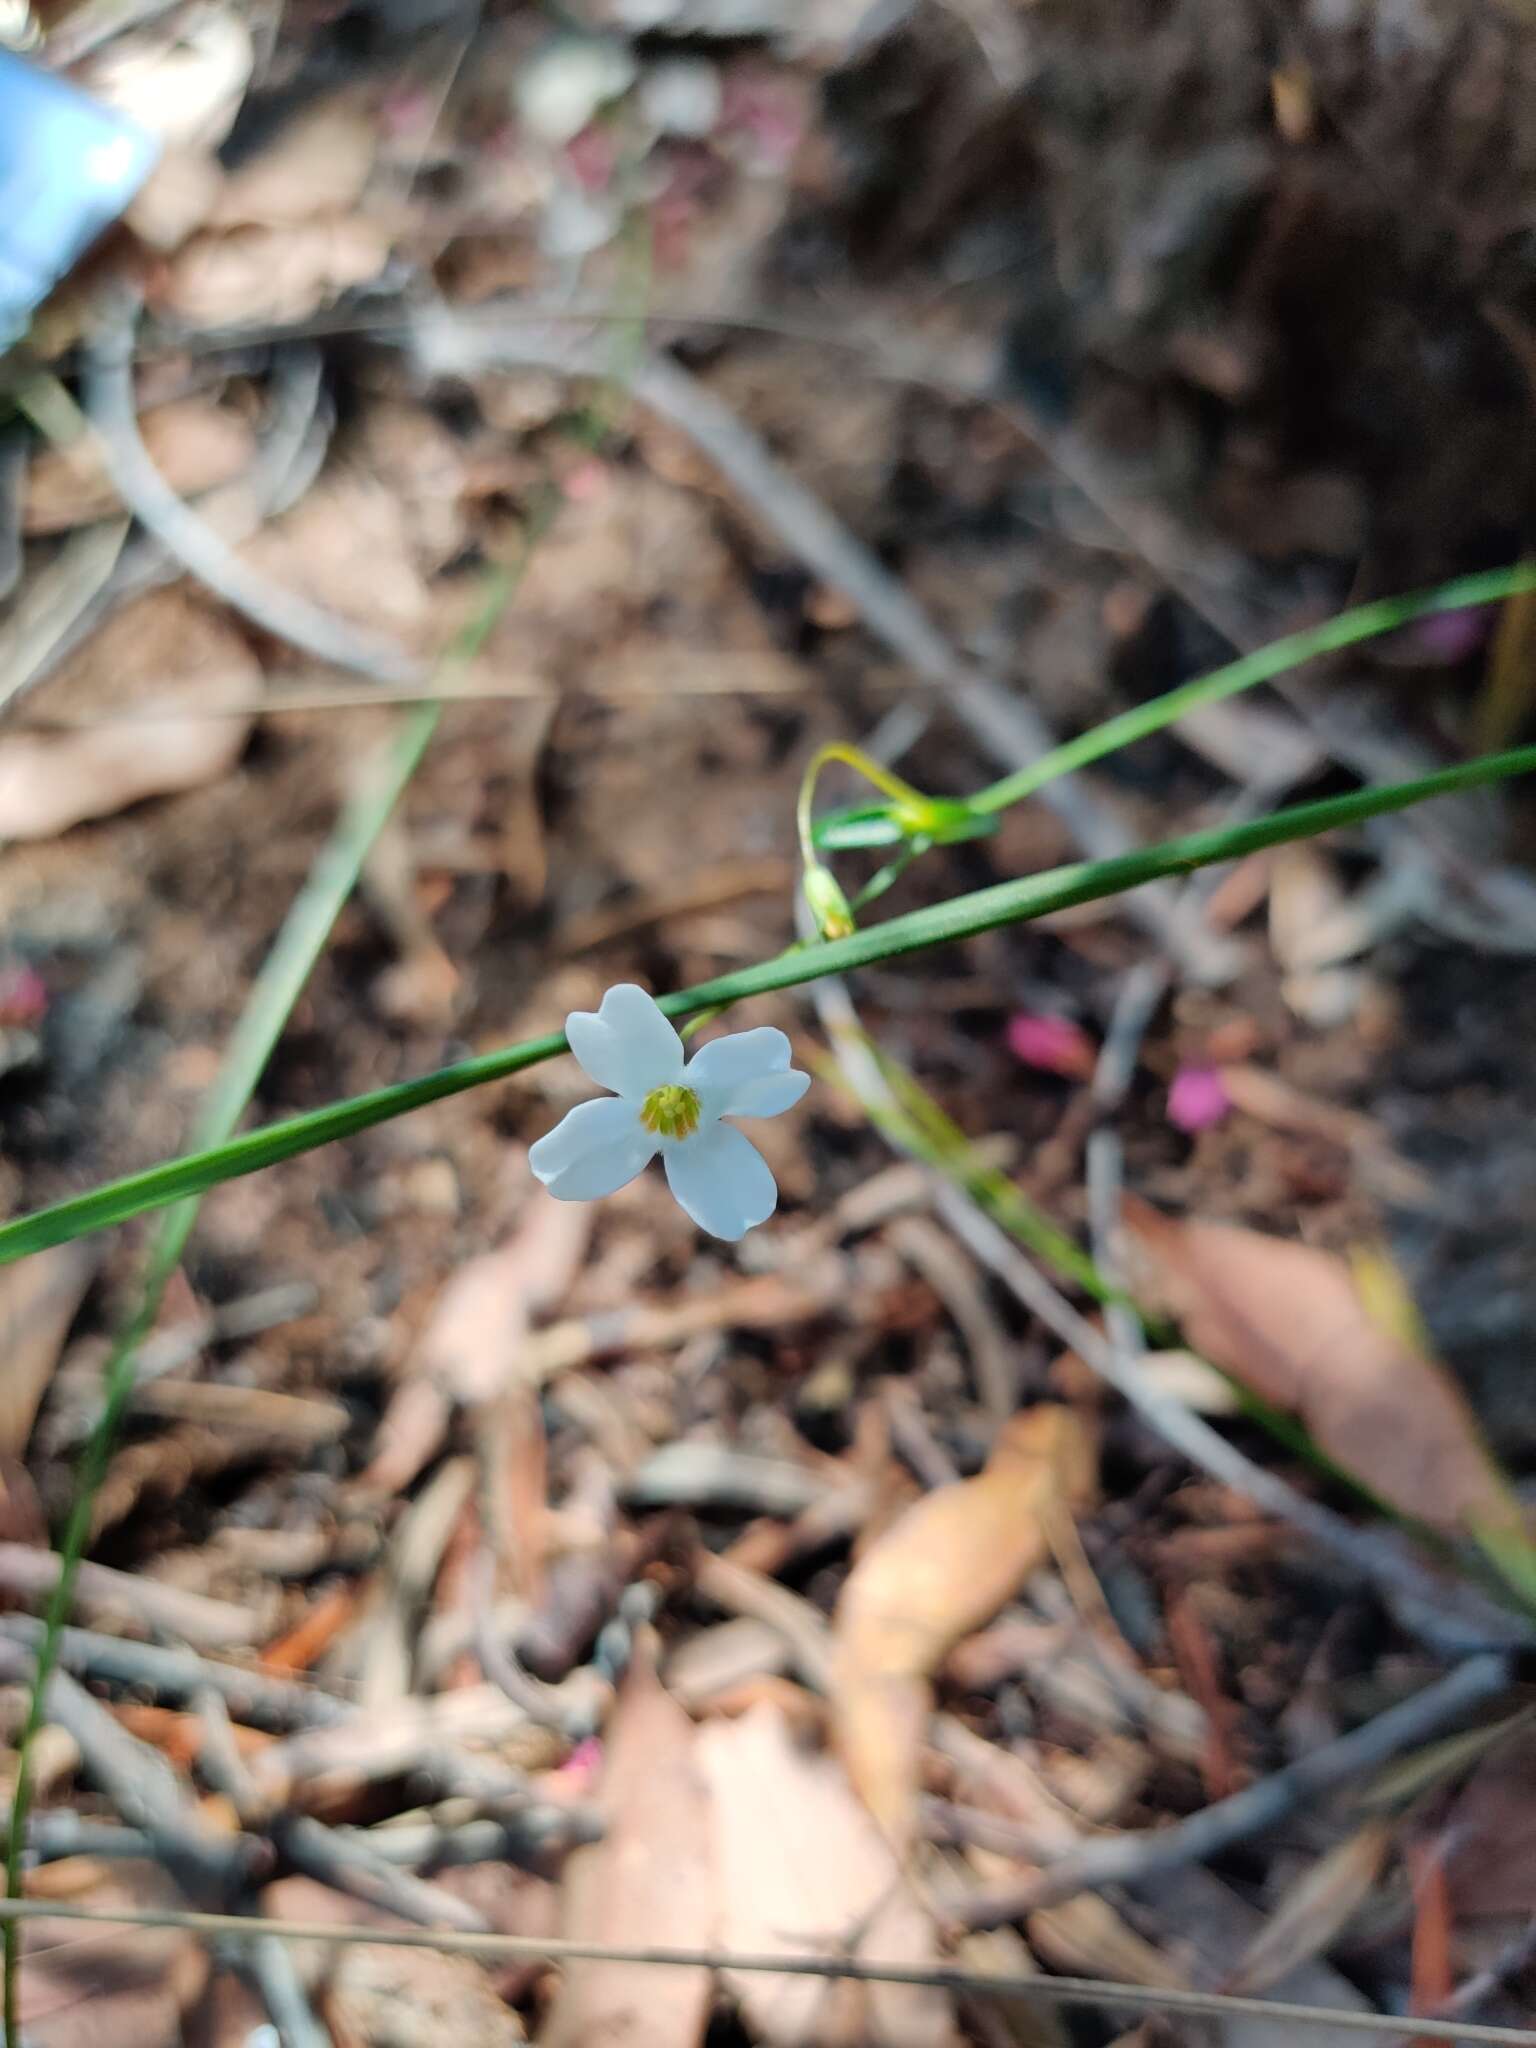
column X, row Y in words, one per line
column 347, row 545
column 650, row 1882
column 942, row 1570
column 274, row 274
column 802, row 1867
column 1288, row 1323
column 167, row 649
column 194, row 444
column 415, row 1998
column 318, row 165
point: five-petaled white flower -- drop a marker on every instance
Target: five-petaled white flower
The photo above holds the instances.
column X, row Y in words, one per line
column 660, row 1105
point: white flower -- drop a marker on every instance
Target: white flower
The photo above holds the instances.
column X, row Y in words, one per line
column 660, row 1105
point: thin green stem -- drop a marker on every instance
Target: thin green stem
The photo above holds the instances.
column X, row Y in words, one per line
column 938, row 924
column 1348, row 629
column 276, row 989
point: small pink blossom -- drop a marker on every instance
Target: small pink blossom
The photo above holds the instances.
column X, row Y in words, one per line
column 592, row 155
column 581, row 1768
column 1198, row 1099
column 23, row 996
column 587, row 481
column 1445, row 639
column 1053, row 1044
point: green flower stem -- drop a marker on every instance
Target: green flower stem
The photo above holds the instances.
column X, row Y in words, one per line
column 1348, row 629
column 936, row 925
column 901, row 794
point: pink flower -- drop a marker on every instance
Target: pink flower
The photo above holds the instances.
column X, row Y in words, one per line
column 592, row 155
column 23, row 996
column 1053, row 1044
column 1198, row 1099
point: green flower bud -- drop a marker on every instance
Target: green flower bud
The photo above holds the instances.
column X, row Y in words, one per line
column 829, row 906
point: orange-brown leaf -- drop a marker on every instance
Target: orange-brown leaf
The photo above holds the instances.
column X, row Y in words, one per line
column 942, row 1570
column 1288, row 1323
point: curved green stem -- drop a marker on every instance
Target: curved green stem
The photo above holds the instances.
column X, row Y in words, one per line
column 938, row 924
column 1348, row 629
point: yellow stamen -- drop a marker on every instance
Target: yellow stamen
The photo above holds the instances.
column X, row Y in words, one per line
column 671, row 1112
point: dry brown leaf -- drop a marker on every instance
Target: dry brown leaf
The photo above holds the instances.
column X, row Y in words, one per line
column 414, row 1998
column 176, row 198
column 1288, row 1323
column 38, row 1300
column 942, row 1570
column 83, row 1987
column 347, row 545
column 802, row 1868
column 650, row 1882
column 1315, row 1910
column 167, row 649
column 318, row 165
column 276, row 274
column 1086, row 1937
column 472, row 1346
column 194, row 444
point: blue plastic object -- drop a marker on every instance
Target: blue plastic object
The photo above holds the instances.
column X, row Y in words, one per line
column 68, row 167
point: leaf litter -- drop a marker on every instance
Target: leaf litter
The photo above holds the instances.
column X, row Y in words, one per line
column 496, row 1376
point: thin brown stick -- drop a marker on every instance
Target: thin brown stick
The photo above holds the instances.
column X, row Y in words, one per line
column 253, row 1697
column 29, row 1574
column 517, row 1947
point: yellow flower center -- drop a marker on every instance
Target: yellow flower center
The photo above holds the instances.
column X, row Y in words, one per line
column 671, row 1112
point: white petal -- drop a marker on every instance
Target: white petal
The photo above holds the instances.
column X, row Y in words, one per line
column 746, row 1074
column 626, row 1044
column 722, row 1180
column 593, row 1150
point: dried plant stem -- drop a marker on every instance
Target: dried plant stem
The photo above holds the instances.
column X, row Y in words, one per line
column 974, row 1983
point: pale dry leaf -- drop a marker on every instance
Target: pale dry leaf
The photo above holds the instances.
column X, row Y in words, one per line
column 649, row 1883
column 1305, row 898
column 194, row 443
column 1287, row 1322
column 1314, row 1912
column 1087, row 1937
column 166, row 648
column 347, row 545
column 939, row 1572
column 803, row 1869
column 38, row 1300
column 319, row 164
column 281, row 274
column 472, row 1345
column 415, row 1998
column 175, row 199
column 84, row 1986
column 415, row 456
